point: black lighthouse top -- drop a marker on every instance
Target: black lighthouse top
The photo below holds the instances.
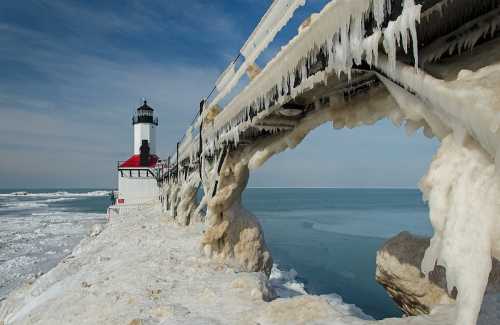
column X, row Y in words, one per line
column 144, row 114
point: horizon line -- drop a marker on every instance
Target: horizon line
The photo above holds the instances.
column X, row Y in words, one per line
column 337, row 187
column 248, row 187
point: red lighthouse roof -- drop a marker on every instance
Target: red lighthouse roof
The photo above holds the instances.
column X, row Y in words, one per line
column 135, row 162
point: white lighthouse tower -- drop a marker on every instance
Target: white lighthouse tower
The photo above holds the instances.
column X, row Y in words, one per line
column 144, row 128
column 137, row 176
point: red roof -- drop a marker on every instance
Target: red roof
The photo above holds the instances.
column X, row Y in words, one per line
column 135, row 162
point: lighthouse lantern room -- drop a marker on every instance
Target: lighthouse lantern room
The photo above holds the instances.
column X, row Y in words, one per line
column 137, row 176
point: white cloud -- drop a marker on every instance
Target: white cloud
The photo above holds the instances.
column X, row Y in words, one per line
column 74, row 109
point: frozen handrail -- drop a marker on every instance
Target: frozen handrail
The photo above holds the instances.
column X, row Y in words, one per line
column 339, row 26
column 338, row 30
column 276, row 17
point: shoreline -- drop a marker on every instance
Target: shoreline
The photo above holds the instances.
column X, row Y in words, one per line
column 39, row 228
column 145, row 268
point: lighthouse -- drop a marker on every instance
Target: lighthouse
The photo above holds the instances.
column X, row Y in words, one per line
column 145, row 125
column 137, row 176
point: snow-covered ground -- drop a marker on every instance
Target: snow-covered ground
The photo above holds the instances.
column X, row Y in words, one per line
column 144, row 269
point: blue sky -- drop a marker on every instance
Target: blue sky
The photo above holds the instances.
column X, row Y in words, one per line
column 72, row 73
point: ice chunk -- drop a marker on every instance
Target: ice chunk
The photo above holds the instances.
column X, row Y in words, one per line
column 462, row 190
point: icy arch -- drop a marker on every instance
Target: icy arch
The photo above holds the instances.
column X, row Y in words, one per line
column 461, row 185
column 460, row 107
column 233, row 229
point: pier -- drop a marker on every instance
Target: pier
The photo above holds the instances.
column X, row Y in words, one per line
column 423, row 64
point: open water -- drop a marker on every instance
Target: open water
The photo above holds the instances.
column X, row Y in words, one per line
column 328, row 236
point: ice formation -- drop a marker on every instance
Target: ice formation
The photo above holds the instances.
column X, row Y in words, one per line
column 338, row 32
column 462, row 112
column 448, row 110
column 278, row 15
column 186, row 206
column 396, row 32
column 61, row 194
column 226, row 77
column 234, row 234
column 461, row 185
column 37, row 230
column 462, row 190
column 465, row 38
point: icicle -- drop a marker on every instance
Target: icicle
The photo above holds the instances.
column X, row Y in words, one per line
column 356, row 38
column 340, row 32
column 397, row 31
column 380, row 9
column 370, row 47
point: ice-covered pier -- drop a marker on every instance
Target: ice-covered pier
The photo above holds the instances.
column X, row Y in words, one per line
column 426, row 64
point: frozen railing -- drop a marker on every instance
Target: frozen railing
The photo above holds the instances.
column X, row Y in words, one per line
column 338, row 32
column 336, row 35
column 278, row 15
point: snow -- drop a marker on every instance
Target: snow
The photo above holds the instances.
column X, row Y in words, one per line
column 145, row 268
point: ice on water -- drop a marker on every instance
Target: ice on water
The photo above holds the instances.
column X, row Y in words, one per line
column 37, row 231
